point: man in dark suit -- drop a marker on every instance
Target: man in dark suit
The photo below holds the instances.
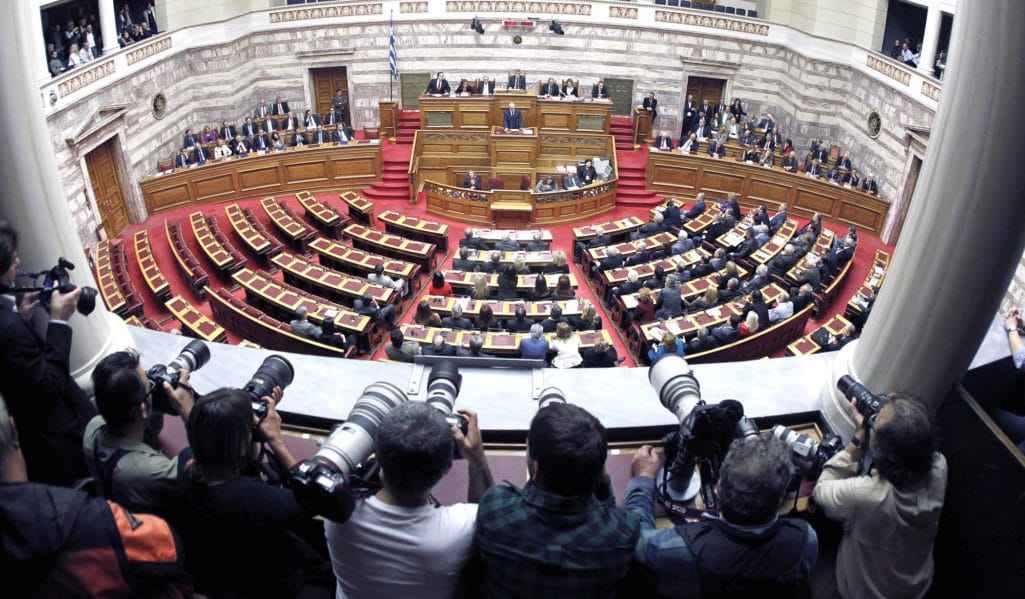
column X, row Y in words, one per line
column 554, row 318
column 519, row 323
column 320, row 136
column 517, row 81
column 485, row 86
column 802, row 298
column 570, row 180
column 310, row 119
column 439, row 347
column 291, row 123
column 784, row 261
column 870, row 185
column 472, row 180
column 664, row 141
column 280, row 107
column 690, row 116
column 697, row 209
column 190, row 139
column 811, row 274
column 651, row 105
column 249, row 128
column 731, row 292
column 509, row 244
column 470, row 241
column 512, row 117
column 240, row 147
column 671, row 217
column 270, row 125
column 201, row 155
column 815, row 172
column 182, row 159
column 550, row 89
column 438, row 86
column 342, row 134
column 35, row 377
column 463, row 262
column 262, row 110
column 226, row 131
column 702, row 341
column 778, row 219
column 598, row 90
column 720, row 109
column 844, row 162
column 457, row 321
column 612, row 260
column 260, row 142
column 641, row 256
column 716, row 149
column 299, row 139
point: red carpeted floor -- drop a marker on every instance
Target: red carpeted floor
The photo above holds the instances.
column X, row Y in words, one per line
column 392, row 194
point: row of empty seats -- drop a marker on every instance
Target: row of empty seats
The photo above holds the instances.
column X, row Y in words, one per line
column 214, row 243
column 195, row 275
column 297, row 233
column 116, row 286
column 154, row 277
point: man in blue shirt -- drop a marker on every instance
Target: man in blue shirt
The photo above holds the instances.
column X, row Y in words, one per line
column 534, row 347
column 748, row 550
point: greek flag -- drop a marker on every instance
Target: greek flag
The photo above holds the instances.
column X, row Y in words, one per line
column 392, row 58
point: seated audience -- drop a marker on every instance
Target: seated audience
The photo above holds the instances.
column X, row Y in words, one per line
column 439, row 347
column 554, row 319
column 600, row 355
column 438, row 285
column 568, row 503
column 588, row 319
column 540, row 291
column 728, row 332
column 534, row 347
column 567, row 347
column 645, row 310
column 783, row 309
column 486, row 320
column 519, row 323
column 702, row 341
column 457, row 321
column 558, row 264
column 536, row 243
column 422, row 315
column 302, row 326
column 668, row 345
column 508, row 284
column 378, row 277
column 670, row 303
column 400, row 350
column 508, row 244
column 481, row 290
column 750, row 325
column 463, row 262
column 471, row 241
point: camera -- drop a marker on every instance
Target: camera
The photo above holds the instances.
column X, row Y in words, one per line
column 191, row 359
column 703, row 439
column 324, row 483
column 809, row 454
column 58, row 278
column 276, row 371
column 442, row 389
column 868, row 403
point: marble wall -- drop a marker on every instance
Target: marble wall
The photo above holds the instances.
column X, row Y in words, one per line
column 221, row 71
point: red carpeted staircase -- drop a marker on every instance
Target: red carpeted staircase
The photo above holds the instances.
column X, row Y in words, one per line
column 621, row 128
column 394, row 183
column 632, row 190
column 409, row 122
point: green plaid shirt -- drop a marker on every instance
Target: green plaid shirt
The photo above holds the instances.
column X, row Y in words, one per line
column 538, row 544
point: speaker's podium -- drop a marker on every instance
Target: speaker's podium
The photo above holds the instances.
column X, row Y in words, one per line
column 513, row 147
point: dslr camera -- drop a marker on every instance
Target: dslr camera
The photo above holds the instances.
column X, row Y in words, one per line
column 809, row 454
column 868, row 403
column 59, row 279
column 275, row 371
column 192, row 357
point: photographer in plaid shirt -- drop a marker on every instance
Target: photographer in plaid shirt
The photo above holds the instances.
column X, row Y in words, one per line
column 561, row 534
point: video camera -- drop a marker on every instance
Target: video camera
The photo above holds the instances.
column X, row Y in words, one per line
column 58, row 278
column 868, row 403
column 703, row 439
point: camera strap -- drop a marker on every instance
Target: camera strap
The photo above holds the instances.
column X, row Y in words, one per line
column 105, row 467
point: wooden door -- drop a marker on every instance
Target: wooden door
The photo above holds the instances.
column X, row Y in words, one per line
column 706, row 88
column 325, row 82
column 106, row 185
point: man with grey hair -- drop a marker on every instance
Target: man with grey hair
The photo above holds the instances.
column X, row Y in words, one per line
column 302, row 326
column 612, row 260
column 534, row 347
column 571, row 180
column 670, row 303
column 536, row 243
column 426, row 545
column 457, row 321
column 471, row 241
column 683, row 244
column 509, row 244
column 473, row 349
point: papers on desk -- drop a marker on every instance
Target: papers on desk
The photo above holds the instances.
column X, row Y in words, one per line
column 528, row 131
column 573, row 306
column 655, row 332
column 673, row 327
column 463, row 302
column 714, row 312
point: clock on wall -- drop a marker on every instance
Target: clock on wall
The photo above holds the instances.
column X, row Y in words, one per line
column 875, row 124
column 159, row 105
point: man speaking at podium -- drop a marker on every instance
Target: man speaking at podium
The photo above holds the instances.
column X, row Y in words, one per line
column 512, row 119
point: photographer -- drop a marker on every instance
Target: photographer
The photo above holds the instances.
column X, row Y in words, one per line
column 35, row 376
column 890, row 515
column 128, row 470
column 241, row 528
column 562, row 534
column 748, row 551
column 399, row 542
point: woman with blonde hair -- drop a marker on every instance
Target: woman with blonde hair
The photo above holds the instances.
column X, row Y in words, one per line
column 669, row 345
column 558, row 264
column 567, row 347
column 520, row 264
column 750, row 325
column 645, row 310
column 480, row 286
column 588, row 320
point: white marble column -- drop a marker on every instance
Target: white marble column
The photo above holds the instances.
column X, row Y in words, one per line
column 930, row 39
column 40, row 58
column 33, row 197
column 108, row 26
column 964, row 235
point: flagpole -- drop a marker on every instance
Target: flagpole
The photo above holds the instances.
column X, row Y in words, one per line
column 392, row 57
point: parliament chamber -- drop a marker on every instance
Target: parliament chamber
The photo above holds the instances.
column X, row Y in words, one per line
column 227, row 251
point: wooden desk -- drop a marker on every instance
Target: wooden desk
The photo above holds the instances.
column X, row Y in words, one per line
column 499, row 344
column 256, row 241
column 294, row 231
column 618, row 276
column 194, row 274
column 470, row 206
column 493, row 236
column 524, row 283
column 326, row 167
column 806, row 345
column 155, row 280
column 874, row 279
column 110, row 289
column 822, row 244
column 501, row 309
column 629, row 248
column 193, row 322
column 483, row 112
column 323, row 216
column 611, row 228
column 688, row 324
column 392, row 245
column 215, row 252
column 415, row 228
column 361, row 209
column 534, row 260
column 351, row 260
column 513, row 147
column 336, row 285
column 688, row 175
column 286, row 299
column 776, row 243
